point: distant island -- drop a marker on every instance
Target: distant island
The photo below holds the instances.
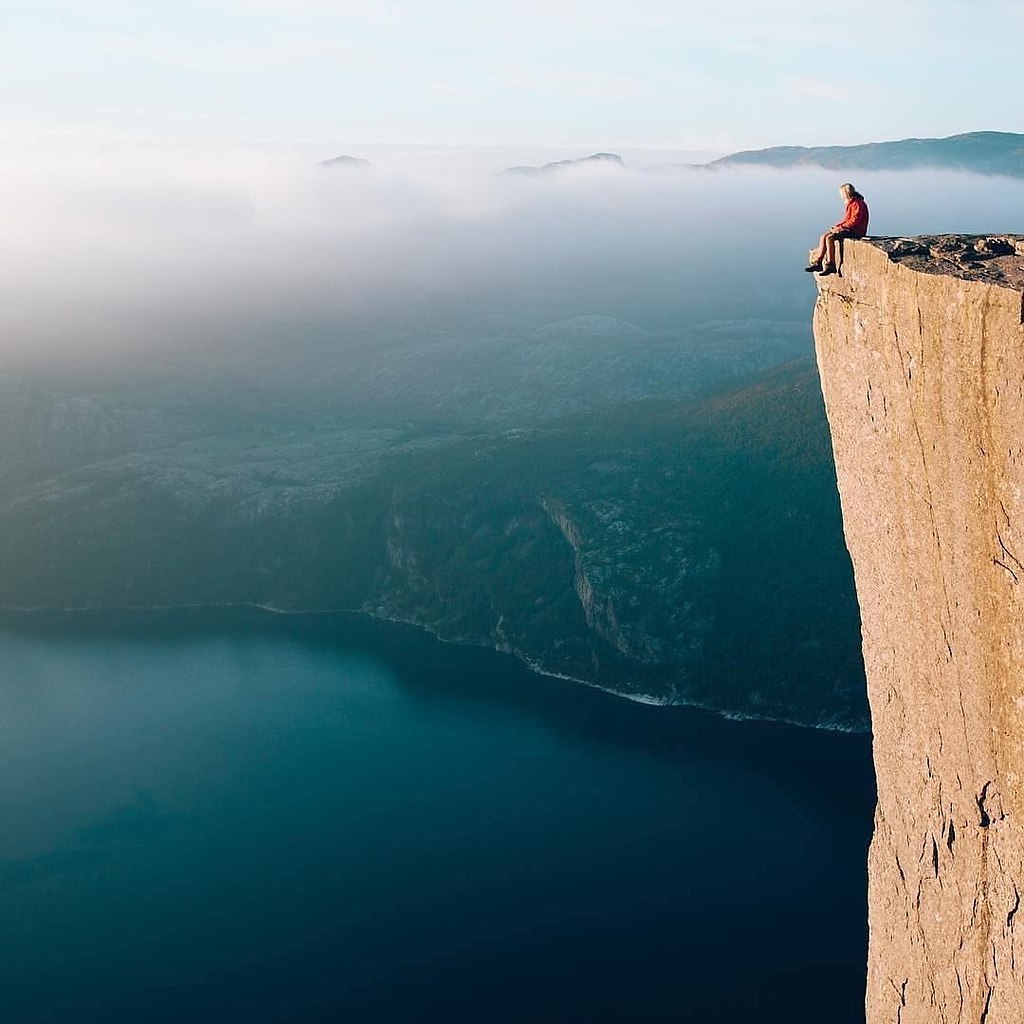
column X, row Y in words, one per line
column 345, row 161
column 599, row 159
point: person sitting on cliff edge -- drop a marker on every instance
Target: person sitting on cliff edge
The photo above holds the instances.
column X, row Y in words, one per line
column 853, row 225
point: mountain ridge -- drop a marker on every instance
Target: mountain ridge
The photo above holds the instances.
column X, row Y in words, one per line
column 594, row 160
column 984, row 152
column 644, row 546
column 978, row 152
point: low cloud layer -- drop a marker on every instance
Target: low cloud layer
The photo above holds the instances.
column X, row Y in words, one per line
column 121, row 250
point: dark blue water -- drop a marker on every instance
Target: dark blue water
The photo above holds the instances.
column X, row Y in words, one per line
column 228, row 816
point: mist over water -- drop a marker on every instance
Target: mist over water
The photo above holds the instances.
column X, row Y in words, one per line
column 158, row 247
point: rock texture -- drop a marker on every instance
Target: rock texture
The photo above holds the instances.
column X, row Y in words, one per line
column 920, row 345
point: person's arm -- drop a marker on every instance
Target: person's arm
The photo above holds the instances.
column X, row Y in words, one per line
column 849, row 217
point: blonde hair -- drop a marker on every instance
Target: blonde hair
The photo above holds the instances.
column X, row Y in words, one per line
column 848, row 190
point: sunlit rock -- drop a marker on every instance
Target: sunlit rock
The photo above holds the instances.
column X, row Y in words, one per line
column 921, row 350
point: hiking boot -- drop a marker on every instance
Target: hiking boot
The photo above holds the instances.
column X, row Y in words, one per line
column 826, row 269
column 813, row 268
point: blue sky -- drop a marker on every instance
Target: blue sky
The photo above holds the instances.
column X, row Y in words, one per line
column 560, row 73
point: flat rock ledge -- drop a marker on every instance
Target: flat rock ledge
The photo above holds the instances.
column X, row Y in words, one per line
column 993, row 259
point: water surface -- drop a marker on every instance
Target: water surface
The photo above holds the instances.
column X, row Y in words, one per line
column 221, row 816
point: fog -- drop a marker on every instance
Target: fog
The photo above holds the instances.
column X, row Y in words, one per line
column 122, row 251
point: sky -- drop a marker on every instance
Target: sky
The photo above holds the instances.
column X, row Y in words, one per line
column 560, row 75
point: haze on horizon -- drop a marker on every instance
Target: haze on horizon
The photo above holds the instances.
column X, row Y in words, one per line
column 164, row 247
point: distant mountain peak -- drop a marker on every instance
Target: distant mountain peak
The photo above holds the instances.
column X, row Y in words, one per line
column 598, row 159
column 345, row 161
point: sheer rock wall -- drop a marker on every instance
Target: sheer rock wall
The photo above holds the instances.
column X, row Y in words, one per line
column 920, row 346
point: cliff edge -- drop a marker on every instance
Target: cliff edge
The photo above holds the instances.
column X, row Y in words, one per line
column 920, row 346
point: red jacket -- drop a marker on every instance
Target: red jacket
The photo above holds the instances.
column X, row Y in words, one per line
column 855, row 220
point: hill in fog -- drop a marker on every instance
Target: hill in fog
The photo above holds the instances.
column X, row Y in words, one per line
column 976, row 152
column 609, row 504
column 594, row 160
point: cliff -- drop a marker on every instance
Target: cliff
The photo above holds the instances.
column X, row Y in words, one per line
column 920, row 345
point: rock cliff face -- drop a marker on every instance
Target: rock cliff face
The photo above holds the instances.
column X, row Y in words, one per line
column 921, row 350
